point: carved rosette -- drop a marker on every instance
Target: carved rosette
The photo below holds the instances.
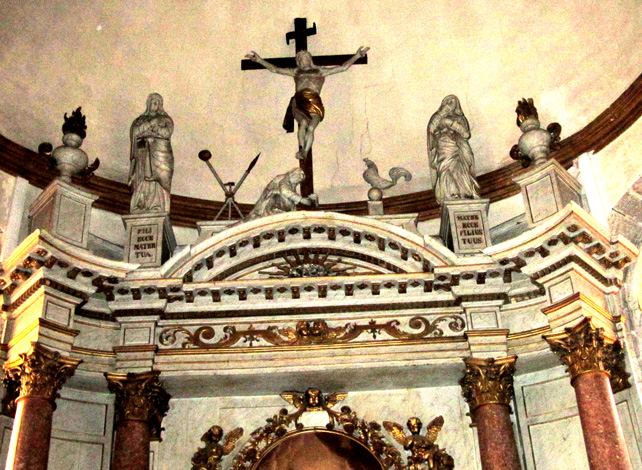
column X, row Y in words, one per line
column 40, row 372
column 583, row 349
column 140, row 397
column 488, row 380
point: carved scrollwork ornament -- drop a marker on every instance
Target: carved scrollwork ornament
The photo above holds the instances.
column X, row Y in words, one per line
column 309, row 332
column 140, row 397
column 488, row 380
column 41, row 372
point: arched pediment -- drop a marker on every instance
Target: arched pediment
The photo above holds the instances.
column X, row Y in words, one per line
column 308, row 244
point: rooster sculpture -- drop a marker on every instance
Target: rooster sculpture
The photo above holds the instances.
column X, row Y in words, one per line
column 371, row 175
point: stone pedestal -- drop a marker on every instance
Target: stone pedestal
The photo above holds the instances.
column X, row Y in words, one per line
column 487, row 386
column 546, row 190
column 149, row 239
column 208, row 228
column 41, row 373
column 64, row 211
column 375, row 207
column 141, row 404
column 595, row 367
column 464, row 225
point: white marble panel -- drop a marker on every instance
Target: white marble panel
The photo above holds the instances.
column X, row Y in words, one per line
column 558, row 392
column 626, row 418
column 6, row 426
column 560, row 289
column 137, row 336
column 558, row 445
column 185, row 423
column 80, row 417
column 75, row 455
column 57, row 313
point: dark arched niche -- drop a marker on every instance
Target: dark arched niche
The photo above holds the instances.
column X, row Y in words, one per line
column 318, row 449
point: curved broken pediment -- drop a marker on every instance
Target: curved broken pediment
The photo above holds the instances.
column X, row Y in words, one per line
column 308, row 244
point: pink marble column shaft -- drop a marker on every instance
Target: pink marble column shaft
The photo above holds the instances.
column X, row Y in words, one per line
column 131, row 446
column 29, row 447
column 497, row 445
column 603, row 436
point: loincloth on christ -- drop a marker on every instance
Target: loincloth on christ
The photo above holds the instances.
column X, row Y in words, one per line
column 305, row 101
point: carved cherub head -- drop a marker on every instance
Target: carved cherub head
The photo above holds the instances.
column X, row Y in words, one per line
column 313, row 398
column 414, row 425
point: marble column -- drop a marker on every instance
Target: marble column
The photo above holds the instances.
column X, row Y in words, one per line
column 597, row 370
column 487, row 386
column 40, row 373
column 141, row 404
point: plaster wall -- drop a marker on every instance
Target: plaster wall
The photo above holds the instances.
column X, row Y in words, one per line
column 490, row 54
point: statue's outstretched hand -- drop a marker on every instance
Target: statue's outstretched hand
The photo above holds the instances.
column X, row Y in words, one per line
column 362, row 51
column 253, row 56
column 305, row 201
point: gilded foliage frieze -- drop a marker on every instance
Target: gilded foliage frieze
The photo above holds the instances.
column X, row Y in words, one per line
column 309, row 332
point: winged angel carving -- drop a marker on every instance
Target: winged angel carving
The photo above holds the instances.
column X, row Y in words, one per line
column 424, row 453
column 210, row 456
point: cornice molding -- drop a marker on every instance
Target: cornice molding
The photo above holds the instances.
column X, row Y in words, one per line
column 495, row 185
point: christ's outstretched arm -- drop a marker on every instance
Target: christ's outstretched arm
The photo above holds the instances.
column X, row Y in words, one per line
column 254, row 57
column 361, row 52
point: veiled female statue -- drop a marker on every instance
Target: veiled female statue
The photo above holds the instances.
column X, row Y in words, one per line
column 450, row 154
column 151, row 158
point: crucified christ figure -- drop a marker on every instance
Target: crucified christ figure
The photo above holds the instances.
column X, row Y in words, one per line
column 305, row 106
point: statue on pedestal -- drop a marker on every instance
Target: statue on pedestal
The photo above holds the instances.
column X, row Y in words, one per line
column 306, row 106
column 151, row 158
column 450, row 154
column 281, row 196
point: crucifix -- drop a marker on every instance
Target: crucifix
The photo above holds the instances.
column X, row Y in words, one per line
column 306, row 107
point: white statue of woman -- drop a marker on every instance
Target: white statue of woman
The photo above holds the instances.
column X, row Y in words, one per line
column 450, row 154
column 151, row 158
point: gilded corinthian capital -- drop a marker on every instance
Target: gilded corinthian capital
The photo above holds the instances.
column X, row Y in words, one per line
column 140, row 397
column 40, row 372
column 488, row 380
column 584, row 349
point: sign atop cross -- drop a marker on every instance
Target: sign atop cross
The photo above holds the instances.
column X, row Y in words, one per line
column 300, row 37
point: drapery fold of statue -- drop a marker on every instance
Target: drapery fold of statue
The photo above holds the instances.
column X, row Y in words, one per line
column 151, row 158
column 280, row 196
column 450, row 154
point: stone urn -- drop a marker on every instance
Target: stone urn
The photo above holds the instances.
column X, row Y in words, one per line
column 70, row 159
column 535, row 144
column 535, row 141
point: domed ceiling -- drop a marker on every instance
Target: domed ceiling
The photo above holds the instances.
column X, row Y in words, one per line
column 574, row 58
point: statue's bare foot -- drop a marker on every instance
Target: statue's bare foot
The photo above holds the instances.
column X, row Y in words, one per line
column 300, row 155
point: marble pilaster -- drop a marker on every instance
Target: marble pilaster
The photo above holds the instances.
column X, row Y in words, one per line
column 141, row 404
column 597, row 371
column 41, row 373
column 487, row 387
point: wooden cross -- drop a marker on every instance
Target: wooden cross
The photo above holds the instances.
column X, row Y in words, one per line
column 300, row 36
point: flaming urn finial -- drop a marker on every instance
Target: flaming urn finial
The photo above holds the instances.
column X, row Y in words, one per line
column 535, row 144
column 69, row 159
